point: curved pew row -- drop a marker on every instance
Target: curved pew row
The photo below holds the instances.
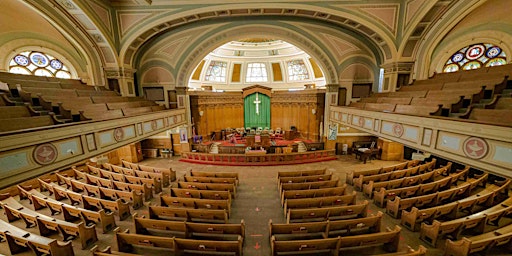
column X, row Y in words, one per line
column 300, row 173
column 190, row 230
column 214, row 174
column 144, row 189
column 332, row 246
column 327, row 213
column 154, row 183
column 208, row 186
column 312, row 193
column 479, row 243
column 475, row 222
column 319, row 202
column 382, row 196
column 20, row 240
column 70, row 212
column 201, row 194
column 393, row 175
column 350, row 175
column 325, row 229
column 372, row 186
column 47, row 225
column 134, row 242
column 194, row 203
column 488, row 197
column 397, row 205
column 309, row 185
column 221, row 180
column 159, row 176
column 170, row 172
column 135, row 198
column 188, row 214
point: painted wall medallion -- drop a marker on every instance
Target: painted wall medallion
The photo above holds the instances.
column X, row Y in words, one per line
column 475, row 148
column 45, row 154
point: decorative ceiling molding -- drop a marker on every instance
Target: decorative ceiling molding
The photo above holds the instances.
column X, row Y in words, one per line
column 411, row 10
column 103, row 13
column 129, row 19
column 385, row 14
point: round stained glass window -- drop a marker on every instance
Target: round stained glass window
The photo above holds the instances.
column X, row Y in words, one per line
column 39, row 59
column 474, row 52
column 457, row 57
column 56, row 64
column 493, row 52
column 21, row 60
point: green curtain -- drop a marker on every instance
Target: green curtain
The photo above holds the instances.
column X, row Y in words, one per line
column 260, row 119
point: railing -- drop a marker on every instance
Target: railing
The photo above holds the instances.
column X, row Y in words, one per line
column 483, row 146
column 259, row 159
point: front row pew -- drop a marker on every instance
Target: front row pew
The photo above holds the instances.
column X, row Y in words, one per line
column 20, row 240
column 332, row 246
column 327, row 213
column 190, row 230
column 479, row 243
column 47, row 225
column 133, row 242
column 187, row 214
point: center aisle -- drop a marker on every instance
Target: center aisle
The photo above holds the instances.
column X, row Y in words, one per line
column 256, row 202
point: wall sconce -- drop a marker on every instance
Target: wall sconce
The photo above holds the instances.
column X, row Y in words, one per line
column 201, row 113
column 313, row 111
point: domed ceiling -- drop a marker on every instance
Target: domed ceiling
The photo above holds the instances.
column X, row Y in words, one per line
column 249, row 61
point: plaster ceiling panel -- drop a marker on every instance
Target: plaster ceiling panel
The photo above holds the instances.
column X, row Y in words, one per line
column 341, row 46
column 128, row 19
column 386, row 14
column 103, row 13
column 84, row 20
column 157, row 75
column 109, row 57
column 412, row 8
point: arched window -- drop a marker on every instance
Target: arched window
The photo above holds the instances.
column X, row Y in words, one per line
column 256, row 72
column 297, row 70
column 216, row 72
column 38, row 64
column 476, row 56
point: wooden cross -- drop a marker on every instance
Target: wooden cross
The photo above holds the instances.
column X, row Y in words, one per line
column 257, row 102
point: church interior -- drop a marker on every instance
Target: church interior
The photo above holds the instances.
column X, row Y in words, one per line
column 352, row 127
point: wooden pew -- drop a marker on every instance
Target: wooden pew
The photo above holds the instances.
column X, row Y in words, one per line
column 201, row 194
column 162, row 176
column 309, row 185
column 187, row 214
column 312, row 193
column 214, row 174
column 154, row 183
column 323, row 246
column 47, row 225
column 21, row 123
column 108, row 251
column 168, row 172
column 319, row 202
column 389, row 239
column 146, row 191
column 501, row 117
column 70, row 212
column 397, row 205
column 189, row 230
column 487, row 197
column 417, row 110
column 402, row 182
column 324, row 229
column 350, row 175
column 479, row 243
column 422, row 87
column 208, row 186
column 226, row 180
column 381, row 197
column 133, row 197
column 380, row 107
column 209, row 247
column 133, row 111
column 327, row 213
column 365, row 179
column 196, row 203
column 20, row 240
column 150, row 244
column 477, row 221
column 300, row 173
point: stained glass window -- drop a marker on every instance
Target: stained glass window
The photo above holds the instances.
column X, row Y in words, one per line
column 38, row 64
column 256, row 72
column 297, row 70
column 476, row 56
column 216, row 72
